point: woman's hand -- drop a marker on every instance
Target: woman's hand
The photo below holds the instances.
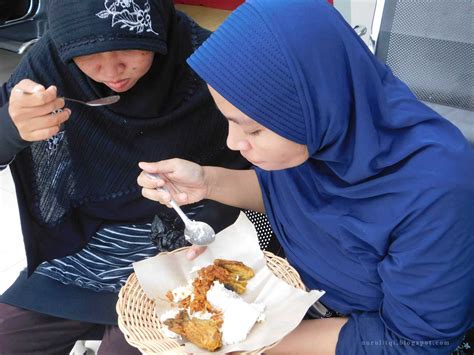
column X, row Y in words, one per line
column 185, row 181
column 194, row 251
column 31, row 107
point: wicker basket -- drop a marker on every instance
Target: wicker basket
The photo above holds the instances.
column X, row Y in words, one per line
column 142, row 328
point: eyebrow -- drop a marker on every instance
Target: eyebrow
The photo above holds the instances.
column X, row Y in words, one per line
column 239, row 121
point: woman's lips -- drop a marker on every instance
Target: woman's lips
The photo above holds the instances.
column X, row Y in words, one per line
column 253, row 162
column 117, row 85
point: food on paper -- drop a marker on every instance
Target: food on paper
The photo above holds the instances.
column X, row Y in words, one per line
column 209, row 311
column 204, row 333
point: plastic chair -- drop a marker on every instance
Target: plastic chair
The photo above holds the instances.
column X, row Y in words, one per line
column 430, row 46
column 22, row 23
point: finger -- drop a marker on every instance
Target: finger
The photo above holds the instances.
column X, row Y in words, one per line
column 149, row 181
column 29, row 86
column 160, row 196
column 42, row 134
column 161, row 167
column 35, row 99
column 181, row 198
column 32, row 111
column 194, row 251
column 44, row 122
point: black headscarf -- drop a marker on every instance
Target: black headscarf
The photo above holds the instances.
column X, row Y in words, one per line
column 80, row 28
column 85, row 177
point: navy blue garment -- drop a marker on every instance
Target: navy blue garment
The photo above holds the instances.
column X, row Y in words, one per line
column 381, row 215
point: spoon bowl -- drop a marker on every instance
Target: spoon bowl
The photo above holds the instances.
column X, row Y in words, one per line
column 195, row 232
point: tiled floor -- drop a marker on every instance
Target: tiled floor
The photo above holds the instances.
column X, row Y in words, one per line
column 12, row 255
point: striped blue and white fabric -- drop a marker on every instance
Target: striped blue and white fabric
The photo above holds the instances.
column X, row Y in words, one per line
column 106, row 262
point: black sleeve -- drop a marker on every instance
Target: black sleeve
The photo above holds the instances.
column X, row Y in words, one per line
column 10, row 141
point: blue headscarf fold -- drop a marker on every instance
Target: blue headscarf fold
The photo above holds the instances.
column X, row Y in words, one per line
column 381, row 215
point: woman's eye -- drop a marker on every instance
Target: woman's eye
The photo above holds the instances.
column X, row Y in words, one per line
column 254, row 133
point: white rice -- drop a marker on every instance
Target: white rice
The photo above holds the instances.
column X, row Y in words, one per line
column 239, row 316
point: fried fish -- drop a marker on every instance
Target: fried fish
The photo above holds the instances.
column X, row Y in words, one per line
column 204, row 333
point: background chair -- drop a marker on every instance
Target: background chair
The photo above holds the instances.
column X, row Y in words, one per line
column 22, row 23
column 430, row 46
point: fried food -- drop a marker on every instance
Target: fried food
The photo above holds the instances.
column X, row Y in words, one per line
column 202, row 284
column 207, row 333
column 233, row 274
column 204, row 333
column 238, row 276
column 238, row 268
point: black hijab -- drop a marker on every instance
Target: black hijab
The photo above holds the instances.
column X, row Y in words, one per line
column 85, row 177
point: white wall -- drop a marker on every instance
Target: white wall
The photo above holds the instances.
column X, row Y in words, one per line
column 357, row 12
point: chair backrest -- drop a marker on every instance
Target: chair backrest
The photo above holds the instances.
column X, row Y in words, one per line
column 429, row 44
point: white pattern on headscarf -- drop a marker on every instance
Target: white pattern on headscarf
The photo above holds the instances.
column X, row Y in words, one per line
column 129, row 15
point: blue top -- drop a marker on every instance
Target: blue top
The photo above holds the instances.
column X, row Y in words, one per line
column 381, row 216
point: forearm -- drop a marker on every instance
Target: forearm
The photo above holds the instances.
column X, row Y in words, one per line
column 238, row 188
column 316, row 336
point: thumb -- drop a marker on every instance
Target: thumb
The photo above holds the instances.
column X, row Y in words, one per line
column 163, row 167
column 194, row 251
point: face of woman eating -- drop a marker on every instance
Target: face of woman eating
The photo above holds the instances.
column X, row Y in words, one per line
column 119, row 70
column 259, row 145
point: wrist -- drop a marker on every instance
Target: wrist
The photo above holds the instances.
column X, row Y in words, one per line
column 209, row 181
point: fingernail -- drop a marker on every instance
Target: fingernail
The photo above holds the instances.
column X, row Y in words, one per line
column 152, row 176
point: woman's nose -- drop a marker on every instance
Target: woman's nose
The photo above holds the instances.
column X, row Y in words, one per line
column 113, row 67
column 236, row 138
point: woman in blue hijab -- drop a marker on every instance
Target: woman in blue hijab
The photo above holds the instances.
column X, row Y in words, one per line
column 369, row 191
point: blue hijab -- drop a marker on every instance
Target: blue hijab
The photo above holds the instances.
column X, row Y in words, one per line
column 381, row 215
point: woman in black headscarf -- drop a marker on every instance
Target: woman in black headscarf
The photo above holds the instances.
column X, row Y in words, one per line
column 83, row 218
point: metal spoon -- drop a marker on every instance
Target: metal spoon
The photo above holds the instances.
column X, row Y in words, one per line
column 195, row 232
column 104, row 101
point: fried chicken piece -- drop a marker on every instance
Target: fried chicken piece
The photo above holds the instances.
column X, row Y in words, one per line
column 204, row 333
column 206, row 276
column 236, row 268
column 238, row 274
column 233, row 274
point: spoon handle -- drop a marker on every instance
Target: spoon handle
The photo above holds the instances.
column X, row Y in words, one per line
column 74, row 100
column 173, row 203
column 178, row 209
column 32, row 93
